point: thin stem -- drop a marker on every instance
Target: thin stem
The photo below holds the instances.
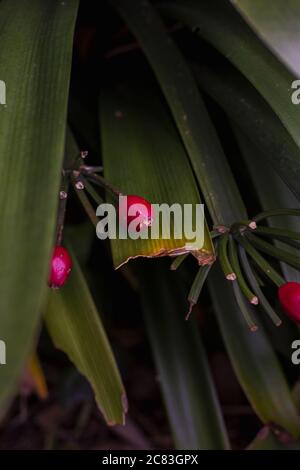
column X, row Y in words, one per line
column 63, row 196
column 286, row 236
column 242, row 225
column 245, row 308
column 223, row 257
column 103, row 183
column 92, row 192
column 255, row 286
column 197, row 286
column 215, row 234
column 260, row 261
column 90, row 169
column 178, row 261
column 275, row 213
column 282, row 232
column 86, row 204
column 275, row 252
column 240, row 277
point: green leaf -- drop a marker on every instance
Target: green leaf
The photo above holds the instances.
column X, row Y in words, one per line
column 228, row 33
column 137, row 149
column 189, row 394
column 35, row 57
column 272, row 192
column 254, row 360
column 180, row 90
column 75, row 327
column 250, row 113
column 277, row 24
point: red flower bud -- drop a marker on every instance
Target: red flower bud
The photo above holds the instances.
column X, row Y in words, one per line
column 61, row 265
column 145, row 211
column 289, row 296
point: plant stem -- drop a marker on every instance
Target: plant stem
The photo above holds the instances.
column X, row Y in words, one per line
column 86, row 204
column 242, row 225
column 97, row 179
column 240, row 277
column 255, row 286
column 178, row 261
column 286, row 236
column 92, row 192
column 223, row 257
column 271, row 250
column 63, row 197
column 260, row 261
column 245, row 308
column 197, row 286
column 275, row 213
column 274, row 231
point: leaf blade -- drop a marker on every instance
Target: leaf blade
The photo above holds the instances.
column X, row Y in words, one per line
column 35, row 55
column 150, row 141
column 276, row 23
column 189, row 394
column 185, row 102
column 254, row 361
column 228, row 33
column 75, row 327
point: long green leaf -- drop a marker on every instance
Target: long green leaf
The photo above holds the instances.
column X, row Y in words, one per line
column 272, row 193
column 223, row 27
column 254, row 360
column 185, row 102
column 250, row 112
column 277, row 24
column 138, row 147
column 187, row 387
column 75, row 327
column 35, row 56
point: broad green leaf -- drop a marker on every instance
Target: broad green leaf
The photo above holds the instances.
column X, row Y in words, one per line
column 250, row 112
column 76, row 328
column 188, row 391
column 180, row 90
column 253, row 359
column 35, row 56
column 139, row 142
column 222, row 26
column 277, row 24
